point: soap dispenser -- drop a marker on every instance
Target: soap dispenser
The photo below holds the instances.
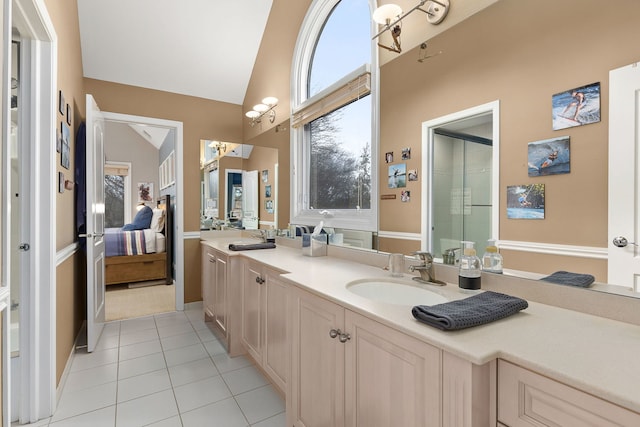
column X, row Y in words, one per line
column 470, row 268
column 492, row 260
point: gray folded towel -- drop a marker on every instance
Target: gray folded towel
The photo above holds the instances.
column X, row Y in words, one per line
column 571, row 279
column 250, row 246
column 476, row 310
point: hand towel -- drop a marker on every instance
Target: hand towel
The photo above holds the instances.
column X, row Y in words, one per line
column 571, row 279
column 476, row 310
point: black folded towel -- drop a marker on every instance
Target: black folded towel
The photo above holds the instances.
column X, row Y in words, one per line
column 571, row 279
column 250, row 246
column 466, row 313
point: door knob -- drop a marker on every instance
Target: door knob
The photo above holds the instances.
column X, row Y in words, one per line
column 334, row 333
column 621, row 242
column 344, row 338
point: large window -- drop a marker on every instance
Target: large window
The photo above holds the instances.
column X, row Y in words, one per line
column 333, row 138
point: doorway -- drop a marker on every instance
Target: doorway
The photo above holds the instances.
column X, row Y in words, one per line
column 176, row 190
column 461, row 163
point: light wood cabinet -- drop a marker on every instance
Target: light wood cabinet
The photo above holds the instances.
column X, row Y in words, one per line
column 220, row 297
column 348, row 370
column 526, row 399
column 264, row 320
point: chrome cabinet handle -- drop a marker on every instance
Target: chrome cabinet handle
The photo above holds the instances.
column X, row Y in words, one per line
column 344, row 338
column 334, row 333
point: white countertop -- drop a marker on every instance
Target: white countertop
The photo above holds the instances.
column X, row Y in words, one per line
column 597, row 355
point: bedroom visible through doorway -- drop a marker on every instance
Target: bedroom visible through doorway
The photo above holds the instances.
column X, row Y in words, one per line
column 144, row 299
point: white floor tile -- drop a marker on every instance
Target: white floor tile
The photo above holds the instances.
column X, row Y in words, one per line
column 105, row 417
column 137, row 324
column 136, row 337
column 146, row 410
column 198, row 324
column 279, row 420
column 111, row 328
column 142, row 385
column 244, row 379
column 83, row 360
column 187, row 354
column 224, row 363
column 206, row 335
column 260, row 404
column 175, row 329
column 225, row 413
column 141, row 349
column 141, row 365
column 109, row 341
column 169, row 422
column 177, row 341
column 85, row 400
column 192, row 371
column 172, row 316
column 214, row 347
column 91, row 377
column 200, row 393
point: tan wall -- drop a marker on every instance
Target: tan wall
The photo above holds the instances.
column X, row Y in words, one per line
column 70, row 300
column 263, row 158
column 520, row 53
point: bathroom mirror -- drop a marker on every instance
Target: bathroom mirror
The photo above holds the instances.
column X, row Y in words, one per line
column 238, row 185
column 470, row 72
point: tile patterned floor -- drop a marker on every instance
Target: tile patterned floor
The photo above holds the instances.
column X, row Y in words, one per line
column 165, row 370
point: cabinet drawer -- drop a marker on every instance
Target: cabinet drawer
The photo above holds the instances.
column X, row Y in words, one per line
column 529, row 399
column 124, row 271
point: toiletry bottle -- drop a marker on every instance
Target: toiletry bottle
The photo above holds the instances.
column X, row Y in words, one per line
column 492, row 260
column 470, row 268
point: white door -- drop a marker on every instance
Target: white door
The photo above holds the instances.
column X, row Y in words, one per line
column 624, row 188
column 250, row 208
column 95, row 223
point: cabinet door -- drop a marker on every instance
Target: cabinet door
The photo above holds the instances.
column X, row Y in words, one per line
column 391, row 379
column 220, row 294
column 529, row 399
column 208, row 281
column 252, row 285
column 317, row 363
column 276, row 349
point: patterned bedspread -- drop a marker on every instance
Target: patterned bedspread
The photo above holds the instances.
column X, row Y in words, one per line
column 118, row 242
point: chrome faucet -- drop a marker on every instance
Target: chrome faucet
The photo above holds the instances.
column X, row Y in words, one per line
column 427, row 275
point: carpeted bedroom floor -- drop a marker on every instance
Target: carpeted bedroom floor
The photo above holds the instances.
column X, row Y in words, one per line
column 123, row 302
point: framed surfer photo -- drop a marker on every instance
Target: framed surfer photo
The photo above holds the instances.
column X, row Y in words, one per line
column 549, row 157
column 576, row 107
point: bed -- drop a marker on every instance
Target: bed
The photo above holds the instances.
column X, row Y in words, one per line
column 139, row 255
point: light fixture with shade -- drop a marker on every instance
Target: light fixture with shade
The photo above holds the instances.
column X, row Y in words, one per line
column 260, row 110
column 220, row 147
column 390, row 16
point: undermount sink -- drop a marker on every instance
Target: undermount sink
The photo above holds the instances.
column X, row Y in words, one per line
column 397, row 292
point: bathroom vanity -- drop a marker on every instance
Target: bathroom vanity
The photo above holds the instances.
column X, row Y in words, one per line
column 342, row 359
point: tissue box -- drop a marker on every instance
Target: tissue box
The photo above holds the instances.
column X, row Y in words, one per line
column 314, row 245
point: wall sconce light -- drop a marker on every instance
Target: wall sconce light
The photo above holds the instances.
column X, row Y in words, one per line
column 220, row 147
column 390, row 16
column 260, row 110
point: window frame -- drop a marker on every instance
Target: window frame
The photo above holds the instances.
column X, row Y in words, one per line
column 311, row 30
column 127, row 185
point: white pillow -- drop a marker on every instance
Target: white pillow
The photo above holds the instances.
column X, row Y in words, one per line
column 157, row 220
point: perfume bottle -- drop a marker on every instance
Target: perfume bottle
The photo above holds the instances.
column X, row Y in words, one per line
column 470, row 268
column 492, row 260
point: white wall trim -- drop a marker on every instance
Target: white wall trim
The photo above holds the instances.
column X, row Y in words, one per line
column 399, row 235
column 191, row 235
column 65, row 253
column 555, row 249
column 267, row 223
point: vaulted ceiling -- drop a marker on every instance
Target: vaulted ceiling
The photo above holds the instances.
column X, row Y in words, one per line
column 202, row 48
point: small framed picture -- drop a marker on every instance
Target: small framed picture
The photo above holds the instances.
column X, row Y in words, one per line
column 61, row 103
column 576, row 107
column 549, row 156
column 64, row 149
column 398, row 176
column 405, row 196
column 265, row 175
column 59, row 138
column 388, row 157
column 525, row 201
column 145, row 191
column 267, row 191
column 68, row 115
column 412, row 174
column 406, row 153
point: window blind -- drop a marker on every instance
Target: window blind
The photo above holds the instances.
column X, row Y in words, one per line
column 112, row 169
column 332, row 99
